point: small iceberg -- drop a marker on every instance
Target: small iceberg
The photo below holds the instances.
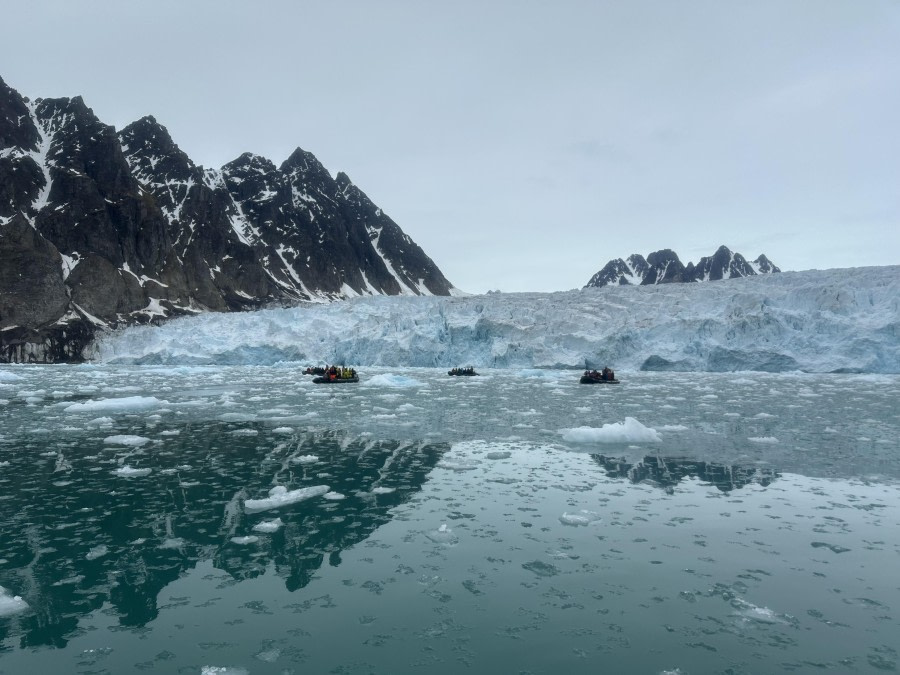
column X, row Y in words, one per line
column 130, row 472
column 629, row 431
column 269, row 526
column 280, row 496
column 128, row 403
column 243, row 541
column 391, row 381
column 11, row 604
column 583, row 517
column 124, row 439
column 442, row 535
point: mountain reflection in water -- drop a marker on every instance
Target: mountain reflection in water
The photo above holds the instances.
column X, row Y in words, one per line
column 667, row 472
column 76, row 536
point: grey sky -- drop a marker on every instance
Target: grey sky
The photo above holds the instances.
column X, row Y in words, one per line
column 522, row 144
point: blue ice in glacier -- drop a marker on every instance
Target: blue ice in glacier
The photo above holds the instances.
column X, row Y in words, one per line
column 844, row 320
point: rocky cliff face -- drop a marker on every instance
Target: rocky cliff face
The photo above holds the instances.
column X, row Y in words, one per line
column 100, row 228
column 664, row 267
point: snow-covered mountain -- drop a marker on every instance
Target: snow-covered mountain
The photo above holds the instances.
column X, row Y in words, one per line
column 845, row 320
column 663, row 267
column 100, row 228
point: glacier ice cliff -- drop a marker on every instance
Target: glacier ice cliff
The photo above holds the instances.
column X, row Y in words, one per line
column 843, row 320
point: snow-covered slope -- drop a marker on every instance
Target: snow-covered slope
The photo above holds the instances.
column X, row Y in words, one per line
column 823, row 321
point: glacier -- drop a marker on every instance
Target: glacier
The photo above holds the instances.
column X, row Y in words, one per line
column 840, row 320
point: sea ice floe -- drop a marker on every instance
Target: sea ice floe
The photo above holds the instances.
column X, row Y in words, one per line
column 333, row 496
column 237, row 417
column 97, row 552
column 391, row 380
column 269, row 526
column 383, row 490
column 6, row 376
column 582, row 517
column 442, row 535
column 128, row 403
column 244, row 432
column 129, row 472
column 11, row 604
column 100, row 422
column 281, row 496
column 243, row 541
column 499, row 454
column 457, row 464
column 762, row 439
column 304, row 459
column 283, row 430
column 125, row 439
column 223, row 670
column 629, row 431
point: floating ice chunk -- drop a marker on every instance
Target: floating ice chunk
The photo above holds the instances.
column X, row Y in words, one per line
column 751, row 612
column 457, row 464
column 172, row 543
column 243, row 541
column 129, row 403
column 100, row 422
column 170, row 432
column 223, row 670
column 283, row 430
column 443, row 535
column 672, row 427
column 244, row 432
column 333, row 496
column 270, row 526
column 534, row 373
column 392, row 381
column 383, row 490
column 583, row 517
column 269, row 655
column 281, row 496
column 304, row 459
column 629, row 431
column 762, row 416
column 11, row 604
column 762, row 439
column 499, row 454
column 124, row 439
column 6, row 376
column 97, row 552
column 129, row 472
column 237, row 417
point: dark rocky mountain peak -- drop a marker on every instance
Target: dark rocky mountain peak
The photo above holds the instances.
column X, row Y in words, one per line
column 101, row 229
column 664, row 266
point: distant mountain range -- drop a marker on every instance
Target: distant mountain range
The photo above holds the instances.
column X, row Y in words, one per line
column 664, row 267
column 100, row 229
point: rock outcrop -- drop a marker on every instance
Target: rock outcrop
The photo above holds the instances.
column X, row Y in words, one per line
column 664, row 267
column 100, row 229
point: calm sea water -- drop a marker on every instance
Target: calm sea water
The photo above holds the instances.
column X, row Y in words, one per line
column 718, row 523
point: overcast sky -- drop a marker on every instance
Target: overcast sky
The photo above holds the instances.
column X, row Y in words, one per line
column 522, row 144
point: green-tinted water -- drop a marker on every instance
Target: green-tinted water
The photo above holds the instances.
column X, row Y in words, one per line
column 461, row 530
